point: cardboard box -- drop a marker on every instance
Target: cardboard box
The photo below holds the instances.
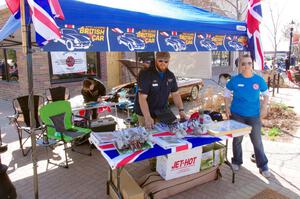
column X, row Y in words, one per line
column 129, row 187
column 207, row 158
column 179, row 164
column 219, row 153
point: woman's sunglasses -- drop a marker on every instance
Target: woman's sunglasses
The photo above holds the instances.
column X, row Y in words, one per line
column 246, row 63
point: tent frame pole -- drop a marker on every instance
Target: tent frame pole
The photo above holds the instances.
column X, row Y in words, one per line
column 26, row 44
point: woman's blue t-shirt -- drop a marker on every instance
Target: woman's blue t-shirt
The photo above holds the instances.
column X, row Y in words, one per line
column 246, row 92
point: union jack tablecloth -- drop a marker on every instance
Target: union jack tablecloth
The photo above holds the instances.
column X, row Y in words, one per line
column 116, row 160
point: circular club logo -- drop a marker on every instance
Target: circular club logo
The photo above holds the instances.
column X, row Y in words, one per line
column 70, row 61
column 255, row 86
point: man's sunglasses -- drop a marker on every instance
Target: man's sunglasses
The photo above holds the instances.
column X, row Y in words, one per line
column 246, row 64
column 161, row 61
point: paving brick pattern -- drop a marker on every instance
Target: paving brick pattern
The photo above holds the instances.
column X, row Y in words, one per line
column 86, row 176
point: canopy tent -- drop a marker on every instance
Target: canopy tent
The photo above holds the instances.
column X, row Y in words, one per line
column 149, row 25
column 130, row 25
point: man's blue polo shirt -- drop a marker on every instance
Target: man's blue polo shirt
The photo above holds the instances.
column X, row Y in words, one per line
column 246, row 92
column 158, row 89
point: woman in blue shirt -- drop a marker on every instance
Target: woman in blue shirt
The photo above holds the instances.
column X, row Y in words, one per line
column 246, row 89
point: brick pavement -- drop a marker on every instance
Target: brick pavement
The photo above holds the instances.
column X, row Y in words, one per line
column 86, row 177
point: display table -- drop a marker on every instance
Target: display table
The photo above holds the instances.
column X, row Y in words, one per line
column 117, row 161
column 77, row 103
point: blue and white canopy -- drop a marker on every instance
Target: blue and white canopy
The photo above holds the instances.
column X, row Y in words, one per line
column 148, row 25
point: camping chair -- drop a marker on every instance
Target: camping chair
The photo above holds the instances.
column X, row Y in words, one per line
column 57, row 93
column 57, row 116
column 21, row 118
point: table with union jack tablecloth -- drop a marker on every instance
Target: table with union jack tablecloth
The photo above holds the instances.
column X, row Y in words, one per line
column 118, row 161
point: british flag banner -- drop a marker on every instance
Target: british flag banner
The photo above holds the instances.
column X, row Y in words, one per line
column 14, row 7
column 42, row 16
column 117, row 160
column 254, row 18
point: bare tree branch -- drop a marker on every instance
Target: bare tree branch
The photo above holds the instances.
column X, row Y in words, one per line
column 273, row 28
column 244, row 10
column 235, row 6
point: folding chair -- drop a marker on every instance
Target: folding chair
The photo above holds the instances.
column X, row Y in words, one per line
column 21, row 118
column 57, row 93
column 57, row 116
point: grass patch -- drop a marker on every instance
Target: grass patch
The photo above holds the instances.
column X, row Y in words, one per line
column 263, row 131
column 280, row 106
column 273, row 133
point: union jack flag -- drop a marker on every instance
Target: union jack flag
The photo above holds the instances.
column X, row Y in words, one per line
column 117, row 160
column 42, row 15
column 254, row 18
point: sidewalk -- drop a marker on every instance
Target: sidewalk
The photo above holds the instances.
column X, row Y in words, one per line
column 86, row 176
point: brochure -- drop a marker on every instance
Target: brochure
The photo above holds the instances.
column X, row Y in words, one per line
column 103, row 137
column 168, row 142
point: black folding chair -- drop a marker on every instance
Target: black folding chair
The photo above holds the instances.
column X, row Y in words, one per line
column 57, row 93
column 21, row 119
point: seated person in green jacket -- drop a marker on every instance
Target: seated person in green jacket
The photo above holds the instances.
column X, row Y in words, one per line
column 92, row 91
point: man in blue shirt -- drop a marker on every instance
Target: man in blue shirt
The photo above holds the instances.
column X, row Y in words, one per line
column 155, row 84
column 246, row 88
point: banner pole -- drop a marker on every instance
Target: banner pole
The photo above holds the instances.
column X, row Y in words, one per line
column 26, row 44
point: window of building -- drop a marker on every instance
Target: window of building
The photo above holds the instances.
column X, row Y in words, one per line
column 8, row 65
column 220, row 58
column 71, row 67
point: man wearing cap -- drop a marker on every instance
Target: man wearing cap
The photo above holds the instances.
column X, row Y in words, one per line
column 155, row 84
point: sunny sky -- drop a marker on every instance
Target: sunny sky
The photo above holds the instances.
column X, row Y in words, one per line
column 288, row 10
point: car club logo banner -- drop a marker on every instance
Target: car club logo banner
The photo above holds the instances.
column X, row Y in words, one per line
column 68, row 62
column 86, row 38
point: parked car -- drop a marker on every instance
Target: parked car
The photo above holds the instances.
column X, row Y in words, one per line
column 73, row 40
column 131, row 41
column 176, row 43
column 188, row 88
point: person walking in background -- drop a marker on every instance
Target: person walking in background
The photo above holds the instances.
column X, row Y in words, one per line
column 246, row 88
column 92, row 91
